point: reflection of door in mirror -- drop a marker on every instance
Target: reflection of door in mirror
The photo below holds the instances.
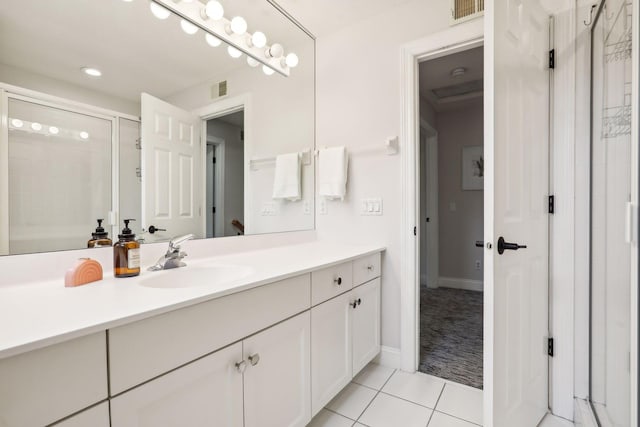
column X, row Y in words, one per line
column 59, row 177
column 225, row 175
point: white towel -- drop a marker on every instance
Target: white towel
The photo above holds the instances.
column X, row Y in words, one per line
column 286, row 183
column 332, row 176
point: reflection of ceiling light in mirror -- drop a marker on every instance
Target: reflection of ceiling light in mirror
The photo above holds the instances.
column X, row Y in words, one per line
column 275, row 51
column 252, row 62
column 159, row 11
column 213, row 10
column 54, row 130
column 291, row 60
column 212, row 40
column 258, row 39
column 17, row 123
column 36, row 126
column 267, row 70
column 458, row 72
column 233, row 52
column 188, row 27
column 91, row 72
column 84, row 135
column 239, row 25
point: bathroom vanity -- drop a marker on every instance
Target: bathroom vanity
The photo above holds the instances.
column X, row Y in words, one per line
column 268, row 341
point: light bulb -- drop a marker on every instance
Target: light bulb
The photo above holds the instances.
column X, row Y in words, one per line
column 233, row 52
column 84, row 135
column 252, row 62
column 188, row 27
column 258, row 39
column 239, row 25
column 17, row 123
column 159, row 11
column 36, row 126
column 275, row 51
column 91, row 72
column 213, row 10
column 212, row 40
column 54, row 130
column 291, row 60
column 267, row 70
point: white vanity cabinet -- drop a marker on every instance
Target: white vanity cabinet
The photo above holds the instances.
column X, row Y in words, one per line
column 345, row 333
column 263, row 380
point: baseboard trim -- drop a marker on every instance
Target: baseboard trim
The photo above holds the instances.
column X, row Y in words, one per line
column 389, row 357
column 458, row 283
column 584, row 416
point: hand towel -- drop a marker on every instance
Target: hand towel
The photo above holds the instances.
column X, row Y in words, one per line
column 286, row 182
column 332, row 176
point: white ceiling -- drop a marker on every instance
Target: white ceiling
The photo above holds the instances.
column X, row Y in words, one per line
column 322, row 17
column 136, row 52
column 436, row 74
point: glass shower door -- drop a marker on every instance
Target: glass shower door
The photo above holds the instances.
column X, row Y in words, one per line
column 610, row 195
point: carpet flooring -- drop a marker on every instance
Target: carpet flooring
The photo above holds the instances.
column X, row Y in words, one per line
column 451, row 335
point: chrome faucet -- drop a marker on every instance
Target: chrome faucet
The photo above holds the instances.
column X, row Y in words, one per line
column 173, row 257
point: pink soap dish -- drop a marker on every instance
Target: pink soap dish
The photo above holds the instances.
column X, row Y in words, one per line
column 85, row 271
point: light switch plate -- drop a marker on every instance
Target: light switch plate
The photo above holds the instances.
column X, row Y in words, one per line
column 371, row 207
column 322, row 205
column 268, row 209
column 306, row 207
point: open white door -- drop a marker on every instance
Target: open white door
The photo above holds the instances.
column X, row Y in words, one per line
column 171, row 170
column 516, row 201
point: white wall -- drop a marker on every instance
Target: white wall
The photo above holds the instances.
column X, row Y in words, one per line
column 358, row 105
column 280, row 119
column 461, row 212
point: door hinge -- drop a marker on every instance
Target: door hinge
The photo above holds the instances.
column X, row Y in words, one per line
column 214, row 160
column 552, row 59
column 213, row 209
column 550, row 346
column 552, row 204
column 415, row 231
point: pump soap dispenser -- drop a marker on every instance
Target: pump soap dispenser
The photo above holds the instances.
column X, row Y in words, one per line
column 126, row 253
column 99, row 238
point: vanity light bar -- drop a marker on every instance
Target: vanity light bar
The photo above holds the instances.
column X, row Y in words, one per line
column 194, row 13
column 46, row 130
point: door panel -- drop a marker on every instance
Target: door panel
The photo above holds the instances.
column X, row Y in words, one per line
column 516, row 191
column 365, row 324
column 277, row 384
column 171, row 170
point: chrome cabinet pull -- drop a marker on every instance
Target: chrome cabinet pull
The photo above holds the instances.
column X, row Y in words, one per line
column 338, row 281
column 254, row 359
column 241, row 366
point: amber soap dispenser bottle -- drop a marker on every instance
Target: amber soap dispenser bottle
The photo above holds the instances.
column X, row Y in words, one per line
column 126, row 253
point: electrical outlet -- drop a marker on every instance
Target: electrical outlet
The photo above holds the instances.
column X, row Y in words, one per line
column 306, row 207
column 268, row 209
column 478, row 264
column 323, row 206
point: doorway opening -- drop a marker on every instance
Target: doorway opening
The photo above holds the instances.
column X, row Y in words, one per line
column 225, row 175
column 451, row 167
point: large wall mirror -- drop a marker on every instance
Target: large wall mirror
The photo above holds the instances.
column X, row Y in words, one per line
column 177, row 131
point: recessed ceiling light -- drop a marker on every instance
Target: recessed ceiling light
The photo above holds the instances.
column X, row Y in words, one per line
column 91, row 72
column 36, row 126
column 84, row 135
column 458, row 72
column 54, row 130
column 17, row 123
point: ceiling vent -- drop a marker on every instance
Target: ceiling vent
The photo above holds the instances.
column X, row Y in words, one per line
column 464, row 10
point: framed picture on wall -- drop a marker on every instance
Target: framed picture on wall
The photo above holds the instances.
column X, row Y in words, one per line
column 472, row 168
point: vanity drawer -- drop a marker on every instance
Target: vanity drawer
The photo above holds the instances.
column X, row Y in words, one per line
column 45, row 385
column 330, row 282
column 365, row 269
column 143, row 350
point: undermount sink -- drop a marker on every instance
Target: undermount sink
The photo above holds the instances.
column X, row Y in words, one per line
column 196, row 275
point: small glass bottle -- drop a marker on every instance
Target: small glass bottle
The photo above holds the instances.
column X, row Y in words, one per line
column 99, row 238
column 126, row 253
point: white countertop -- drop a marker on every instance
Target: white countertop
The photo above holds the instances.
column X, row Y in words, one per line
column 34, row 315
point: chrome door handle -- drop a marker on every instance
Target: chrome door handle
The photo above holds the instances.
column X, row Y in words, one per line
column 502, row 246
column 241, row 366
column 254, row 359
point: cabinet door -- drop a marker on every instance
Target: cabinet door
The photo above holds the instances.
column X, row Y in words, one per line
column 207, row 392
column 277, row 388
column 330, row 350
column 365, row 323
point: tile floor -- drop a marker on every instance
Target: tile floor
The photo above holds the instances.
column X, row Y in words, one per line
column 384, row 397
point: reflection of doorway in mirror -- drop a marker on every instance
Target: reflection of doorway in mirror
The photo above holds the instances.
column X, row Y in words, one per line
column 225, row 175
